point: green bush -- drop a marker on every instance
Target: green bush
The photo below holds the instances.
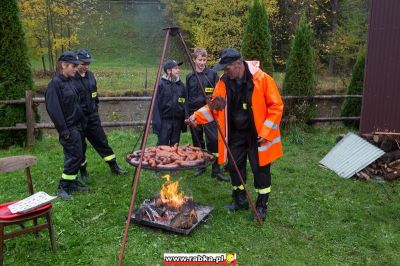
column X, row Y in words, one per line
column 352, row 106
column 256, row 43
column 300, row 74
column 15, row 72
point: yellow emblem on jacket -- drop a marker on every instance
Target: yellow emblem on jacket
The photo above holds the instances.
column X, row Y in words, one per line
column 208, row 90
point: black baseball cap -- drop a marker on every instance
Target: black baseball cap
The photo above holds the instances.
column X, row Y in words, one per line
column 226, row 57
column 168, row 64
column 85, row 56
column 70, row 57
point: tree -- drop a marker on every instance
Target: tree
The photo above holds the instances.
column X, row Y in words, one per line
column 15, row 72
column 300, row 76
column 349, row 35
column 256, row 43
column 214, row 24
column 352, row 107
column 52, row 26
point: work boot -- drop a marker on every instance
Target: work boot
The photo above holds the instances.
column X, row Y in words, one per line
column 78, row 186
column 84, row 174
column 261, row 206
column 199, row 171
column 63, row 190
column 216, row 173
column 115, row 169
column 239, row 201
column 65, row 187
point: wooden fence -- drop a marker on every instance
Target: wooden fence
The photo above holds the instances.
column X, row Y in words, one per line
column 31, row 102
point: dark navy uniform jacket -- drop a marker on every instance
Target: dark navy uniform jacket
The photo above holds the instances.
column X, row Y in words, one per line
column 87, row 89
column 196, row 98
column 62, row 104
column 170, row 103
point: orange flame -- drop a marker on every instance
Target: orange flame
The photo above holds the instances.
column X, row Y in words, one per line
column 169, row 194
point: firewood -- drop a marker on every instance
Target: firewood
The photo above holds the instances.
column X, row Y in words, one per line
column 368, row 137
column 377, row 139
column 390, row 170
column 370, row 169
column 395, row 164
column 393, row 176
column 187, row 216
column 363, row 175
column 391, row 156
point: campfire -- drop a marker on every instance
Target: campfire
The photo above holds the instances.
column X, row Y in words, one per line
column 170, row 195
column 171, row 209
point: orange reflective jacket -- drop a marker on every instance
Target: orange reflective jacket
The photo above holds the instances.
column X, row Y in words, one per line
column 267, row 108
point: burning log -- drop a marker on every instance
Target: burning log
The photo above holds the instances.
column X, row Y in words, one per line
column 187, row 217
column 170, row 207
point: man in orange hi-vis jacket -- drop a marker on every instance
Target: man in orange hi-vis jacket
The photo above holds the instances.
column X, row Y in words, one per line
column 249, row 122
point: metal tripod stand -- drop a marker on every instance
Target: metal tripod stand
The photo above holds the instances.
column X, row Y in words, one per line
column 171, row 31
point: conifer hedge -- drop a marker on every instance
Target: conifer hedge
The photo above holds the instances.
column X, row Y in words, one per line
column 15, row 72
column 352, row 106
column 256, row 43
column 300, row 74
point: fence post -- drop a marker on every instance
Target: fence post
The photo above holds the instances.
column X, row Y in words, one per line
column 30, row 119
column 145, row 80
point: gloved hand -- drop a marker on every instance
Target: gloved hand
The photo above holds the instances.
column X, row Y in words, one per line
column 217, row 103
column 261, row 140
column 191, row 121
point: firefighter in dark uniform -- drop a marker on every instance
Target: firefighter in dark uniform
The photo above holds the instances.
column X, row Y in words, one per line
column 169, row 109
column 196, row 100
column 89, row 102
column 62, row 104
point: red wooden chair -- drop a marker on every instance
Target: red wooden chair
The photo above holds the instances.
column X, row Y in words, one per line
column 10, row 164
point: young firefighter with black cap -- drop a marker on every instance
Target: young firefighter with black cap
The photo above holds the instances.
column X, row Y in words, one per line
column 253, row 112
column 89, row 102
column 62, row 104
column 196, row 99
column 169, row 109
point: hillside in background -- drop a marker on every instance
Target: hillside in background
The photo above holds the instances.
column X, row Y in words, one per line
column 129, row 35
column 126, row 42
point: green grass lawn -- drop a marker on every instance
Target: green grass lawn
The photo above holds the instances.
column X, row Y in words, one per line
column 315, row 217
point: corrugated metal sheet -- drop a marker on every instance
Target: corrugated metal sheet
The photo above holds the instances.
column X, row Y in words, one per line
column 380, row 111
column 350, row 155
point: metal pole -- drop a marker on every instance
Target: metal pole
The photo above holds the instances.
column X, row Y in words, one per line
column 30, row 119
column 223, row 137
column 143, row 145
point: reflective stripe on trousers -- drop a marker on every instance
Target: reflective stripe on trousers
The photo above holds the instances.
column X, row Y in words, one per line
column 109, row 158
column 263, row 190
column 68, row 177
